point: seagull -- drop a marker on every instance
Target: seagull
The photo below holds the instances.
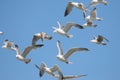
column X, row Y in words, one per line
column 43, row 68
column 89, row 24
column 99, row 40
column 22, row 55
column 8, row 45
column 77, row 5
column 42, row 36
column 93, row 16
column 60, row 76
column 62, row 30
column 96, row 2
column 63, row 57
column 1, row 33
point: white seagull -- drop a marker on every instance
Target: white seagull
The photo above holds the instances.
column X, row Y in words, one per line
column 93, row 16
column 22, row 55
column 62, row 30
column 42, row 36
column 60, row 76
column 8, row 45
column 64, row 57
column 1, row 33
column 99, row 40
column 89, row 24
column 43, row 68
column 77, row 5
column 96, row 2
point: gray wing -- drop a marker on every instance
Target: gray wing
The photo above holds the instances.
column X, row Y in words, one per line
column 72, row 50
column 35, row 39
column 73, row 76
column 68, row 9
column 106, row 39
column 60, row 51
column 93, row 13
column 69, row 25
column 42, row 70
column 29, row 48
column 54, row 68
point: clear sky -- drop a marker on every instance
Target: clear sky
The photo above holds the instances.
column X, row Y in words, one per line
column 20, row 19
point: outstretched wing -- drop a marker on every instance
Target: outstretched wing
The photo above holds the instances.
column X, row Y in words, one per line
column 93, row 13
column 60, row 51
column 72, row 50
column 73, row 76
column 93, row 3
column 29, row 48
column 68, row 9
column 69, row 25
column 106, row 39
column 35, row 38
column 54, row 68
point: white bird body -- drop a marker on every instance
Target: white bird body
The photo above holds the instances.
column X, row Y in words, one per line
column 99, row 40
column 22, row 55
column 89, row 24
column 93, row 16
column 62, row 30
column 63, row 57
column 1, row 33
column 96, row 2
column 8, row 45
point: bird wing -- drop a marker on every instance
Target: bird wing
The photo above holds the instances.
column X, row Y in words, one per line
column 54, row 68
column 42, row 70
column 29, row 48
column 69, row 25
column 93, row 3
column 34, row 40
column 106, row 39
column 93, row 13
column 68, row 9
column 72, row 50
column 59, row 25
column 73, row 76
column 60, row 51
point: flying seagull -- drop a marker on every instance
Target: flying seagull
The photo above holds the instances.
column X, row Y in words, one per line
column 96, row 2
column 8, row 45
column 1, row 33
column 42, row 36
column 99, row 40
column 89, row 24
column 22, row 55
column 43, row 68
column 62, row 30
column 60, row 76
column 64, row 57
column 93, row 16
column 77, row 5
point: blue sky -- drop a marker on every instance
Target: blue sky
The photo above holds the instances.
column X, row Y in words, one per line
column 20, row 19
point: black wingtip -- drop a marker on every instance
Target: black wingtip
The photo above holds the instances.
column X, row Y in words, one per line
column 16, row 45
column 6, row 39
column 39, row 45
